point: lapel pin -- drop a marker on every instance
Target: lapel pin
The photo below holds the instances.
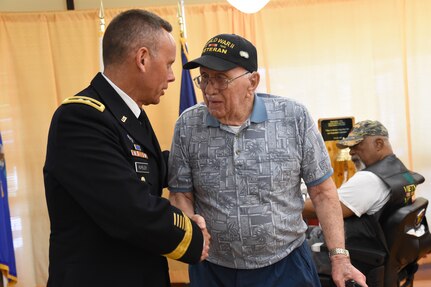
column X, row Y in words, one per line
column 124, row 119
column 137, row 147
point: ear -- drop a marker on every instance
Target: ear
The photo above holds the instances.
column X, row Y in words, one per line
column 254, row 80
column 380, row 143
column 142, row 58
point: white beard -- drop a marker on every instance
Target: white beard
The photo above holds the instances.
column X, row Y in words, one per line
column 359, row 164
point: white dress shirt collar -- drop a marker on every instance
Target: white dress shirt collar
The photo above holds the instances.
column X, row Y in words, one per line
column 128, row 100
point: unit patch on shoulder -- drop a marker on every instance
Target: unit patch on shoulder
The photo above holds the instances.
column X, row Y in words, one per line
column 86, row 101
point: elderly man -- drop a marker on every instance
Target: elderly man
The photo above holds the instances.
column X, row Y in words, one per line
column 238, row 160
column 381, row 185
column 369, row 189
column 364, row 192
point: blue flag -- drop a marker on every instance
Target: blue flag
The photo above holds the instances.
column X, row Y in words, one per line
column 187, row 93
column 7, row 255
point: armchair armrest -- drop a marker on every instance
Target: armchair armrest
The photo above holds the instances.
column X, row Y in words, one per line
column 365, row 255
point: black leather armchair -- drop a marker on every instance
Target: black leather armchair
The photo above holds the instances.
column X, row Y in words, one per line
column 406, row 239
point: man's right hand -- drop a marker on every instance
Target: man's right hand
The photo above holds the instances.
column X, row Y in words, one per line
column 343, row 272
column 200, row 221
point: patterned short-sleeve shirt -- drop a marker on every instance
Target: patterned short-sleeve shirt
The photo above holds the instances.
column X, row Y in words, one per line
column 246, row 183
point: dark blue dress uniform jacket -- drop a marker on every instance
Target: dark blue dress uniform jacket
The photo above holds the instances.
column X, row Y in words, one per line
column 104, row 174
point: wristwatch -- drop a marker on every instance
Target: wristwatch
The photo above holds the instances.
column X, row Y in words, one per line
column 338, row 251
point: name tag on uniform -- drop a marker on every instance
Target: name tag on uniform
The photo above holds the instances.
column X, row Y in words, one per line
column 141, row 167
column 139, row 153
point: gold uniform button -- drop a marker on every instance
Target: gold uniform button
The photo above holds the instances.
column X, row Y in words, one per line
column 142, row 178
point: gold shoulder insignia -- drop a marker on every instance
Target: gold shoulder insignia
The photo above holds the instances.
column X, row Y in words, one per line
column 86, row 101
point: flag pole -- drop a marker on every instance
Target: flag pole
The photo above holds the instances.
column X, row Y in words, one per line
column 101, row 32
column 187, row 92
column 183, row 30
column 182, row 19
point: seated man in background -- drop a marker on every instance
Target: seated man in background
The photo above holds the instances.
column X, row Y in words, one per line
column 381, row 185
column 364, row 192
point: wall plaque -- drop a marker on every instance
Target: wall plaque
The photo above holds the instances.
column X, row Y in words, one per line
column 335, row 129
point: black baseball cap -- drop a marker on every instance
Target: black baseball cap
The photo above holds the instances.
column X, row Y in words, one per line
column 224, row 52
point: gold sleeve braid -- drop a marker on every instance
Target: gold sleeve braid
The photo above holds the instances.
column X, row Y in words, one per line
column 86, row 101
column 182, row 222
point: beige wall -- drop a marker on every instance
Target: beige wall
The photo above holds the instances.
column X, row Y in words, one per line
column 59, row 5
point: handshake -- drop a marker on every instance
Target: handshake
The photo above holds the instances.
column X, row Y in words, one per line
column 200, row 221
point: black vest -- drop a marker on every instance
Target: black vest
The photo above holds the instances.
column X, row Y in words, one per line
column 399, row 179
column 366, row 231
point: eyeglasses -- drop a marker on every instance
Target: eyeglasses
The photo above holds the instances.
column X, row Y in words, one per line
column 219, row 82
